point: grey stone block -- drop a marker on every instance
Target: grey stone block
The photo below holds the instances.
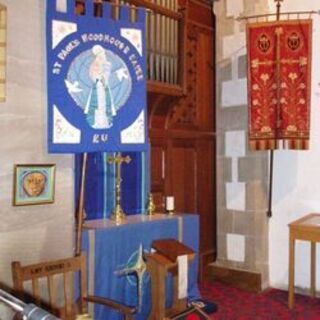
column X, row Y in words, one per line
column 221, row 247
column 232, row 118
column 224, row 71
column 253, row 168
column 220, row 146
column 261, row 249
column 225, row 222
column 250, row 257
column 224, row 169
column 256, row 196
column 242, row 67
column 244, row 223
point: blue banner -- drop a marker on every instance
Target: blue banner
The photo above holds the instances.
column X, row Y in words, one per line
column 96, row 80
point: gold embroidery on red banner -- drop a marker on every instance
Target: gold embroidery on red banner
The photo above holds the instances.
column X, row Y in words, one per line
column 279, row 84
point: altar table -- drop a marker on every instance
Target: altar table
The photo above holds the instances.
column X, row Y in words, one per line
column 111, row 248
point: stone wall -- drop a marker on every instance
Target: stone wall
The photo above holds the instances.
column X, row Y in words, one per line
column 30, row 233
column 242, row 176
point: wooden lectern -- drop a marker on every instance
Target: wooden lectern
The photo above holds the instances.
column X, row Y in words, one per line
column 161, row 262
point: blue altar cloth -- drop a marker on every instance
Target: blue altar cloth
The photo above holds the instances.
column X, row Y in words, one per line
column 111, row 248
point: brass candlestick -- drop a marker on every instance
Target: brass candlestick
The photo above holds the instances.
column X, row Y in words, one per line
column 151, row 206
column 170, row 212
column 118, row 214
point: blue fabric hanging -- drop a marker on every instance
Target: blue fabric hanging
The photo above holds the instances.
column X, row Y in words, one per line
column 99, row 198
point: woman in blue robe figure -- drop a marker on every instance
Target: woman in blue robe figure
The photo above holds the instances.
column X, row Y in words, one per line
column 100, row 108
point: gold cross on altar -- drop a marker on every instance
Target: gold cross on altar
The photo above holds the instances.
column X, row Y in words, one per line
column 118, row 159
column 118, row 215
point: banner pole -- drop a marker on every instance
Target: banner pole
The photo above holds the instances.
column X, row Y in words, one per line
column 269, row 212
column 80, row 214
column 289, row 13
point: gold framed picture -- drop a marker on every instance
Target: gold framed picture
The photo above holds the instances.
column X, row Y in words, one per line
column 33, row 184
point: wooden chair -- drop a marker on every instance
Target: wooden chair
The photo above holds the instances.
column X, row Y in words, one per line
column 61, row 304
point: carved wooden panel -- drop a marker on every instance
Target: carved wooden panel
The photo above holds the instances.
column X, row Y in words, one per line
column 182, row 132
column 185, row 112
column 205, row 100
column 183, row 166
column 206, row 195
column 158, row 166
column 157, row 174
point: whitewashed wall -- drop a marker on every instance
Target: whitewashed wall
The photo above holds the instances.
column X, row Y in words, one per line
column 30, row 233
column 297, row 178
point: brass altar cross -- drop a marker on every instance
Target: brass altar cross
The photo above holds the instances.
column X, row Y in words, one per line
column 118, row 215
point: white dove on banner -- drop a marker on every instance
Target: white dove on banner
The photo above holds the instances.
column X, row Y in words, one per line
column 73, row 87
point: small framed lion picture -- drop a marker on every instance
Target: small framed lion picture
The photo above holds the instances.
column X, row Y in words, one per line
column 33, row 184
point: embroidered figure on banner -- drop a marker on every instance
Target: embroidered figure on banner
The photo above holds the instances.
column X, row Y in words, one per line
column 100, row 84
column 96, row 80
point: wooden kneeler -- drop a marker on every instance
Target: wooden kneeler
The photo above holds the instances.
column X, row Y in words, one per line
column 161, row 262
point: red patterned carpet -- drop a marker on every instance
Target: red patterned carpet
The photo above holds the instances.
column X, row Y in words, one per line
column 237, row 304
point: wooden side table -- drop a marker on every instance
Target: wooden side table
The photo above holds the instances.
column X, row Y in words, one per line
column 306, row 228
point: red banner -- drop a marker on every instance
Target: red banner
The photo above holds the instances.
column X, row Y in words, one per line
column 279, row 81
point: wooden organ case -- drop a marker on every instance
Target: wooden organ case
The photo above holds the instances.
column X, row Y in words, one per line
column 181, row 108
